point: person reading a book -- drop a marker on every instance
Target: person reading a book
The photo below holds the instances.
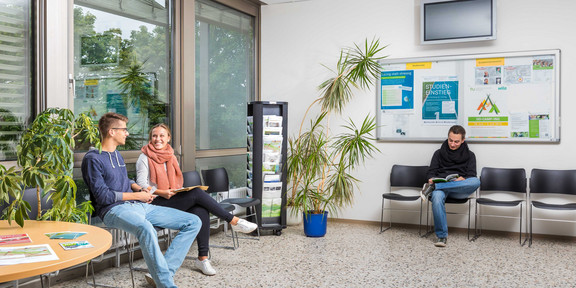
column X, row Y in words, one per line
column 456, row 164
column 125, row 205
column 158, row 172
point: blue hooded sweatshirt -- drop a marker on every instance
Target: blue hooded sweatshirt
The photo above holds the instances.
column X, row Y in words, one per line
column 107, row 179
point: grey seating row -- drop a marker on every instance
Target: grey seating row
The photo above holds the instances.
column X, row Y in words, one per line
column 500, row 187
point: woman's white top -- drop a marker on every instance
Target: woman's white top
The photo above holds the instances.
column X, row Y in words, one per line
column 143, row 173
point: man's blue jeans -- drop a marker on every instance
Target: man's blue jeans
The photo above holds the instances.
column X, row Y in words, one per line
column 455, row 189
column 140, row 218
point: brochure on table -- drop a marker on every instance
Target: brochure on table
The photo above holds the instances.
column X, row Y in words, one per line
column 64, row 235
column 14, row 239
column 76, row 245
column 26, row 254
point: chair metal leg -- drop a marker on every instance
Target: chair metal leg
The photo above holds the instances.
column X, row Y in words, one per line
column 420, row 224
column 130, row 247
column 469, row 210
column 382, row 229
column 520, row 234
column 90, row 265
column 428, row 230
column 235, row 240
column 522, row 243
column 477, row 218
column 530, row 241
column 168, row 237
column 382, row 217
column 235, row 243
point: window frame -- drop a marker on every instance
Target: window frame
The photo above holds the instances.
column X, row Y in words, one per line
column 35, row 97
column 186, row 55
column 52, row 79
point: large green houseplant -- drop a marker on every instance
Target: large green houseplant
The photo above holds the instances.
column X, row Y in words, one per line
column 320, row 163
column 45, row 161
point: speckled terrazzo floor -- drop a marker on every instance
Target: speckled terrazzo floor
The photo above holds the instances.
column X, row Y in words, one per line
column 356, row 255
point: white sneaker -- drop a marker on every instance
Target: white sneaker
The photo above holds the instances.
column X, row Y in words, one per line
column 205, row 267
column 150, row 280
column 244, row 226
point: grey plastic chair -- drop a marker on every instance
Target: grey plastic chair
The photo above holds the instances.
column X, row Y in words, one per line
column 217, row 182
column 402, row 176
column 503, row 180
column 559, row 182
column 192, row 178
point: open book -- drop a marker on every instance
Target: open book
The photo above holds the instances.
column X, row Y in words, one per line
column 448, row 178
column 190, row 188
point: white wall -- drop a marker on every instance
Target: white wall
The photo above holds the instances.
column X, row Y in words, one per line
column 298, row 37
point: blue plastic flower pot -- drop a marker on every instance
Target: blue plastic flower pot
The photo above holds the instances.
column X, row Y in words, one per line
column 315, row 224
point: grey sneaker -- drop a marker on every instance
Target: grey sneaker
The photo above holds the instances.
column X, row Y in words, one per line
column 205, row 267
column 150, row 280
column 244, row 226
column 440, row 242
column 426, row 191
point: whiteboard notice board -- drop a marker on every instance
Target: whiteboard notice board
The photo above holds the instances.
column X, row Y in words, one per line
column 504, row 97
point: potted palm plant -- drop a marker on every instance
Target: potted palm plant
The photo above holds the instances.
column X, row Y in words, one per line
column 320, row 163
column 45, row 161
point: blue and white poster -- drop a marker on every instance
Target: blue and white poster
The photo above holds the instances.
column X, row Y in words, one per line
column 440, row 102
column 397, row 90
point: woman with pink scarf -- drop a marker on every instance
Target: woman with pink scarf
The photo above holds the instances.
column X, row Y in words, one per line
column 159, row 173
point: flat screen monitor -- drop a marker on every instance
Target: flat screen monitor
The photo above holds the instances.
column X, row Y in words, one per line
column 448, row 21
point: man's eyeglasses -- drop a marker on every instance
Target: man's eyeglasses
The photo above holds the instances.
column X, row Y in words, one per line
column 123, row 129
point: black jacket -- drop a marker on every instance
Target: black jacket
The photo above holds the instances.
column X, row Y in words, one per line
column 461, row 161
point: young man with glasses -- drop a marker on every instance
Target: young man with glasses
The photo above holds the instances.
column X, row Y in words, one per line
column 123, row 204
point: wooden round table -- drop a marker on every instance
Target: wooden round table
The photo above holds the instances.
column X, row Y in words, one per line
column 98, row 237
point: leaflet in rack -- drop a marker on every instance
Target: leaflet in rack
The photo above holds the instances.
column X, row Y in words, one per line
column 272, row 196
column 272, row 121
column 272, row 144
column 250, row 142
column 271, row 165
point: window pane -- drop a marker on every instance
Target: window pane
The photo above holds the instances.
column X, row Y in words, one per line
column 15, row 73
column 235, row 166
column 122, row 62
column 224, row 75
